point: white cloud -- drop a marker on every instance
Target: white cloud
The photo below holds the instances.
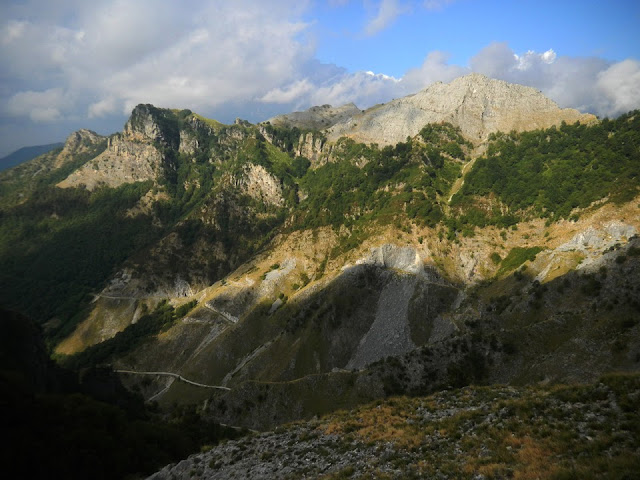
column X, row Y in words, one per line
column 89, row 62
column 360, row 88
column 587, row 83
column 12, row 31
column 494, row 60
column 620, row 86
column 102, row 108
column 288, row 94
column 435, row 68
column 388, row 11
column 45, row 106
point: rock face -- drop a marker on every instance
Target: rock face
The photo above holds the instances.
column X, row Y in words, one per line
column 316, row 118
column 390, row 332
column 311, row 146
column 124, row 161
column 260, row 185
column 404, row 259
column 76, row 144
column 475, row 103
column 131, row 156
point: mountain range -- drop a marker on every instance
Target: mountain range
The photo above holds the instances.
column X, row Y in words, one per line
column 471, row 234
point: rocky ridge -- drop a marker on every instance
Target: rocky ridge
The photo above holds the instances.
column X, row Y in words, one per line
column 475, row 432
column 475, row 103
column 131, row 156
column 316, row 118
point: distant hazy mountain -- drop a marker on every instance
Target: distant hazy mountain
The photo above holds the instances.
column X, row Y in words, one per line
column 26, row 153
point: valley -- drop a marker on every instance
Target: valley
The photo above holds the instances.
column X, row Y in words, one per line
column 468, row 246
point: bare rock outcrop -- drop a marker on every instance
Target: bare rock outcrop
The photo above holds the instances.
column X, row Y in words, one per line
column 78, row 143
column 316, row 118
column 475, row 103
column 311, row 146
column 260, row 185
column 124, row 161
column 131, row 156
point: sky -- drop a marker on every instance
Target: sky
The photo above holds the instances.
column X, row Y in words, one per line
column 71, row 64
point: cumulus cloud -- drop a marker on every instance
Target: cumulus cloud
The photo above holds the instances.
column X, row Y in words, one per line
column 589, row 84
column 435, row 68
column 102, row 108
column 620, row 86
column 150, row 51
column 45, row 106
column 89, row 62
column 289, row 93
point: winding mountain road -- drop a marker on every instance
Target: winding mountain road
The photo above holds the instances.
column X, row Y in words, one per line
column 176, row 376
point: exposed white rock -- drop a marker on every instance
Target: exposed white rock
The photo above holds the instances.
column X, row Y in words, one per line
column 590, row 244
column 77, row 143
column 404, row 259
column 275, row 305
column 124, row 161
column 390, row 332
column 310, row 146
column 259, row 184
column 276, row 277
column 475, row 103
column 599, row 239
column 188, row 143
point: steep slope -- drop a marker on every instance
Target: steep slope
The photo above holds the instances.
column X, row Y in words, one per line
column 26, row 153
column 133, row 156
column 17, row 184
column 308, row 284
column 476, row 104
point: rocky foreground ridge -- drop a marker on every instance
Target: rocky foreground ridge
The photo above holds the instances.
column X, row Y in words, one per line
column 579, row 431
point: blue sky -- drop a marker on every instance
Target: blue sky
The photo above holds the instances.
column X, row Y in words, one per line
column 585, row 28
column 70, row 64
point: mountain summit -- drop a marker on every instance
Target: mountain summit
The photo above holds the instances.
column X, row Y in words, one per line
column 478, row 105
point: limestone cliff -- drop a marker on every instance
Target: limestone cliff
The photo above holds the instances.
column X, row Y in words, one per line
column 77, row 143
column 475, row 103
column 131, row 156
column 260, row 185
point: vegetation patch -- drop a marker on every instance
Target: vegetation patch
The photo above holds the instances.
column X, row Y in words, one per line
column 516, row 257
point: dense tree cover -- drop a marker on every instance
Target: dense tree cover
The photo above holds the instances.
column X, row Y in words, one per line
column 445, row 137
column 62, row 244
column 368, row 183
column 550, row 172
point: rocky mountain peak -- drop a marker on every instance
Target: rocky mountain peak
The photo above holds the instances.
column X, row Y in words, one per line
column 81, row 137
column 149, row 123
column 477, row 104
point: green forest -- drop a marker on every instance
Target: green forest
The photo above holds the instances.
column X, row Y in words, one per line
column 549, row 173
column 58, row 246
